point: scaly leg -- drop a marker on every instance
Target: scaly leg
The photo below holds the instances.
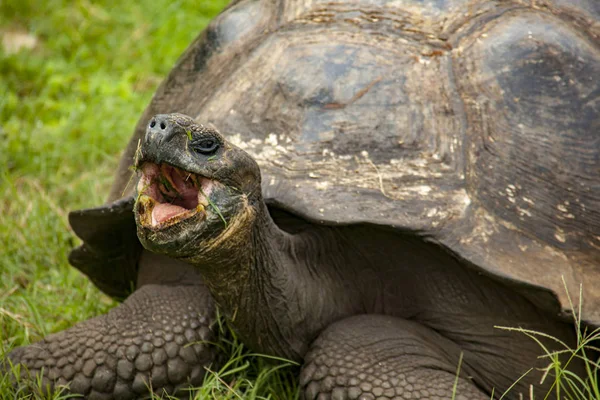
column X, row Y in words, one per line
column 371, row 357
column 155, row 339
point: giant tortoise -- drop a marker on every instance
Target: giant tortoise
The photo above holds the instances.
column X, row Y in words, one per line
column 366, row 187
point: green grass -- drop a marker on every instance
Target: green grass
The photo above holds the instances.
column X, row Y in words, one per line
column 566, row 384
column 67, row 108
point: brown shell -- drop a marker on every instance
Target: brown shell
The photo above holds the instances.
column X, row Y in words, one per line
column 475, row 123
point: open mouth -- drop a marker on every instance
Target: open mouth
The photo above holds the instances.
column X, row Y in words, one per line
column 168, row 195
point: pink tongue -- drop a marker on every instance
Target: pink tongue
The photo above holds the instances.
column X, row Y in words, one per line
column 164, row 211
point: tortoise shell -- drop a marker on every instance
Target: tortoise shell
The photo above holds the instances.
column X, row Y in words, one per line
column 475, row 124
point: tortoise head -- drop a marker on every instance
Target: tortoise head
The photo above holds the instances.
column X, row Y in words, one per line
column 197, row 192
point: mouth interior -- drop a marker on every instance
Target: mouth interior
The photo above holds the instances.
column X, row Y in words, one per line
column 174, row 194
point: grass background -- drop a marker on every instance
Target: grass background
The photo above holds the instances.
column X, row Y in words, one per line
column 67, row 108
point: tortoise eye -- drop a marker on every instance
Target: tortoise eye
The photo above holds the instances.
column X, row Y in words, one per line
column 206, row 146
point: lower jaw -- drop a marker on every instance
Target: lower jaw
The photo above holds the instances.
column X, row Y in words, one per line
column 144, row 208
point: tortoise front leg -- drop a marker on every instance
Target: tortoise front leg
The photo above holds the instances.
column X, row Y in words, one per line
column 155, row 339
column 371, row 357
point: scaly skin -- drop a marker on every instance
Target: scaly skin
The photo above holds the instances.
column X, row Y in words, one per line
column 380, row 357
column 156, row 339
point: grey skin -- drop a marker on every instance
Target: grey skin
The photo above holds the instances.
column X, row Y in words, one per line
column 429, row 171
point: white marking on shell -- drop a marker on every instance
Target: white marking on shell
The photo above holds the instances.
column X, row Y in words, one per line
column 419, row 162
column 358, row 171
column 237, row 140
column 523, row 212
column 322, row 185
column 466, row 199
column 327, row 152
column 271, row 139
column 482, row 230
column 268, row 152
column 423, row 189
column 560, row 235
column 528, row 201
column 523, row 247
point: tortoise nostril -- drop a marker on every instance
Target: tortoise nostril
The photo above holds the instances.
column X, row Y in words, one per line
column 152, row 124
column 162, row 125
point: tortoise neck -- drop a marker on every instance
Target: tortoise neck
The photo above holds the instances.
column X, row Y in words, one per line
column 249, row 281
column 264, row 287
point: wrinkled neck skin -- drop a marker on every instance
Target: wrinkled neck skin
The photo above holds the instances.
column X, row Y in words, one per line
column 275, row 287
